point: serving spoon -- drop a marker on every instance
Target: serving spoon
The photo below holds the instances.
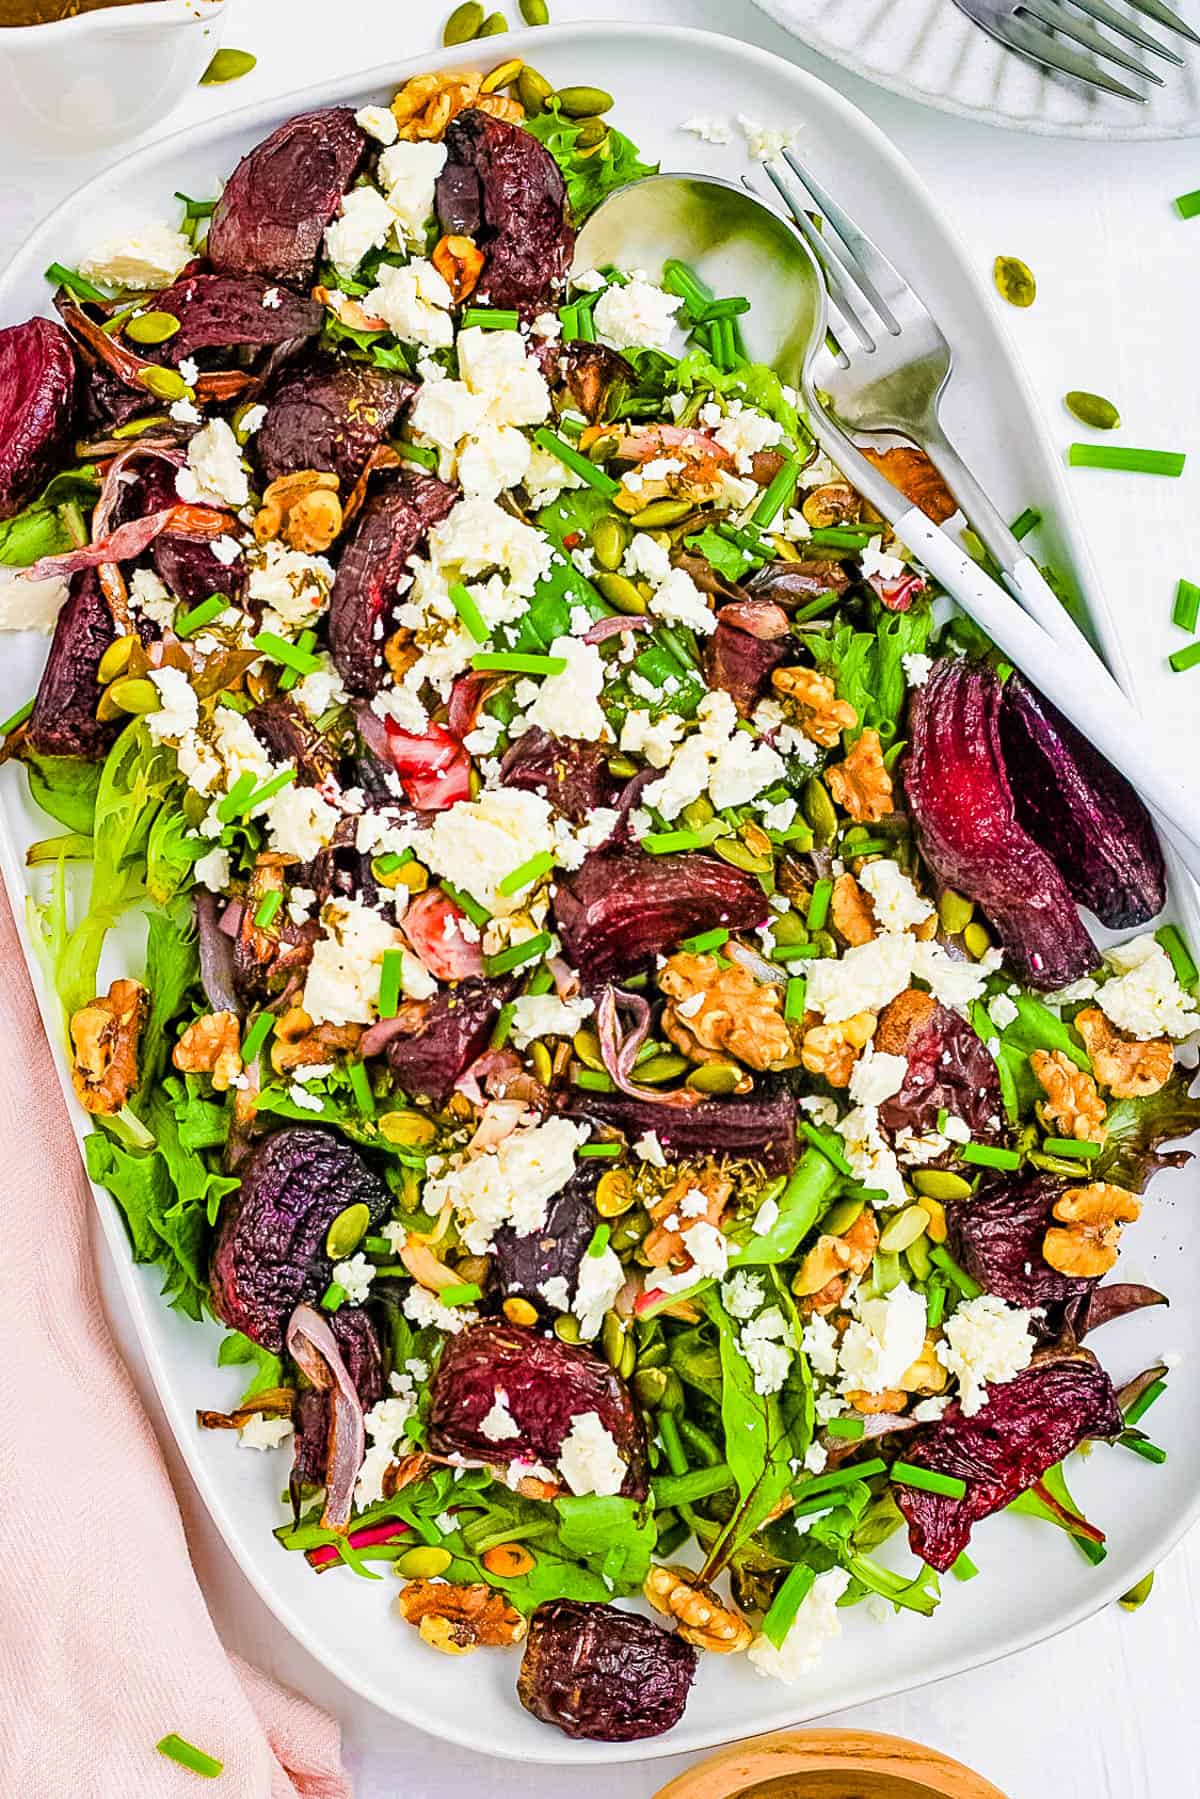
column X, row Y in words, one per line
column 740, row 244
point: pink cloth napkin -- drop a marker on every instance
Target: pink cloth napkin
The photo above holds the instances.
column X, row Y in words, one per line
column 105, row 1641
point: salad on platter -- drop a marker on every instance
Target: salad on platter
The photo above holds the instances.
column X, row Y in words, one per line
column 617, row 1046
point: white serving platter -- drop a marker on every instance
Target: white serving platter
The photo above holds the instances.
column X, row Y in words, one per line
column 1032, row 1583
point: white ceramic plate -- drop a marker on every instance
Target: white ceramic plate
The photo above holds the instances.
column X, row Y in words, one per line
column 1032, row 1583
column 929, row 51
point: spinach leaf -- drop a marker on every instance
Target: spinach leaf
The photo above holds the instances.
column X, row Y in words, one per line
column 65, row 787
column 757, row 1445
column 41, row 529
column 612, row 1536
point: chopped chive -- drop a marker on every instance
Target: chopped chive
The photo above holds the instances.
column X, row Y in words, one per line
column 818, row 905
column 517, row 954
column 1069, row 1146
column 794, row 1001
column 936, row 1302
column 256, row 1036
column 792, row 1592
column 1142, row 1404
column 724, row 350
column 828, row 1144
column 1150, row 1452
column 469, row 612
column 527, row 873
column 970, row 1289
column 598, row 1149
column 1182, row 660
column 178, row 1749
column 568, row 318
column 390, row 861
column 1172, row 939
column 866, row 846
column 840, row 1477
column 490, row 318
column 464, row 1295
column 1025, row 522
column 665, row 843
column 707, row 940
column 59, row 276
column 725, row 309
column 466, row 902
column 377, row 1246
column 839, row 537
column 360, row 1086
column 963, row 1568
column 16, row 718
column 1186, row 610
column 418, row 453
column 268, row 907
column 306, row 642
column 390, row 973
column 268, row 790
column 588, row 472
column 1134, row 462
column 600, row 1236
column 1188, row 205
column 502, row 1029
column 778, row 493
column 587, row 325
column 680, row 278
column 237, row 702
column 541, row 981
column 986, row 1155
column 290, row 654
column 195, row 209
column 333, row 1297
column 199, row 616
column 795, row 952
column 822, row 603
column 592, row 1081
column 943, row 1118
column 668, row 1432
column 929, row 1480
column 232, row 805
column 851, row 1428
column 515, row 663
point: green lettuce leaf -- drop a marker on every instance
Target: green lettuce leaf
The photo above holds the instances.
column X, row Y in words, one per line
column 237, row 1350
column 589, row 177
column 612, row 1536
column 65, row 787
column 1136, row 1128
column 43, row 528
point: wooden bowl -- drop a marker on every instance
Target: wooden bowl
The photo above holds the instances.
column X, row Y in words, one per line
column 829, row 1764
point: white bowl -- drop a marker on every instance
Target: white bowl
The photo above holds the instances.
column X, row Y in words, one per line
column 106, row 75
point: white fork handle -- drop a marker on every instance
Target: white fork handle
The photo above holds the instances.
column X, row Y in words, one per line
column 1093, row 702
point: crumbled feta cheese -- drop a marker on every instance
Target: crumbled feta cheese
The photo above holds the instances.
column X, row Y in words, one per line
column 180, row 711
column 1003, row 1012
column 214, row 475
column 742, row 1293
column 363, row 224
column 547, row 477
column 426, row 1310
column 259, row 1432
column 816, row 1624
column 956, row 1130
column 709, row 1249
column 984, row 1340
column 568, row 705
column 384, row 1424
column 718, row 758
column 185, row 412
column 647, row 558
column 479, row 535
column 1143, row 996
column 556, row 1293
column 884, row 1338
column 355, row 1275
column 816, row 1459
column 767, row 1346
column 743, row 432
column 499, row 1425
column 588, row 1458
column 636, row 316
column 597, row 1284
column 342, row 984
column 292, row 585
column 655, row 739
column 408, row 174
column 493, row 460
column 680, row 601
column 862, row 980
column 414, row 302
column 475, row 844
column 917, row 668
column 510, row 1184
column 378, row 122
column 590, row 282
column 820, row 1345
column 953, row 982
column 877, row 562
column 870, row 1155
column 895, row 902
column 764, row 142
column 149, row 257
column 213, row 870
column 876, row 1076
column 711, row 131
column 308, row 1102
column 647, row 1148
column 545, row 1015
column 301, row 824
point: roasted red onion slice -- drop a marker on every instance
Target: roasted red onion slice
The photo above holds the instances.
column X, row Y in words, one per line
column 619, row 1050
column 216, row 954
column 313, row 1348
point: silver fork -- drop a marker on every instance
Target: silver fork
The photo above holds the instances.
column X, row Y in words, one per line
column 1029, row 28
column 888, row 374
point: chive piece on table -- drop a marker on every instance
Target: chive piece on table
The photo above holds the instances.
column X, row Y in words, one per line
column 256, row 1037
column 1186, row 611
column 1172, row 939
column 967, row 1286
column 1188, row 205
column 360, row 1086
column 267, row 908
column 16, row 718
column 792, row 1592
column 795, row 998
column 469, row 612
column 929, row 1480
column 1182, row 660
column 178, row 1749
column 515, row 662
column 1025, row 522
column 516, row 954
column 986, row 1155
column 588, row 472
column 390, row 974
column 290, row 654
column 1144, row 1401
column 963, row 1568
column 527, row 873
column 198, row 616
column 1134, row 462
column 1070, row 1146
column 490, row 318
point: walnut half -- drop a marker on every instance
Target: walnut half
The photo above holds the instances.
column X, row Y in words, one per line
column 715, row 1012
column 211, row 1045
column 1085, row 1242
column 811, row 698
column 861, row 784
column 831, row 1050
column 457, row 1619
column 1072, row 1101
column 702, row 1618
column 1130, row 1070
column 104, row 1036
column 832, row 1262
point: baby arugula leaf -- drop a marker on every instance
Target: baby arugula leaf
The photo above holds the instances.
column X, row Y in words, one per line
column 758, row 1448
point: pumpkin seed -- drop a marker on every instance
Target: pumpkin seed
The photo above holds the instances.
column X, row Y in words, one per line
column 115, row 659
column 543, row 1067
column 614, row 1193
column 841, row 1216
column 917, row 1255
column 582, row 102
column 661, row 512
column 902, row 1230
column 819, row 810
column 649, row 1386
column 825, row 943
column 716, row 1077
column 1137, row 1595
column 937, row 1217
column 655, row 1355
column 495, row 25
column 425, row 1563
column 628, row 1362
column 732, row 850
column 227, row 65
column 601, row 448
column 503, row 75
column 508, row 1561
column 977, row 940
column 535, row 12
column 412, row 1130
column 414, row 876
column 885, row 1271
column 135, row 694
column 955, row 912
column 620, row 592
column 1093, row 410
column 151, row 328
column 612, row 1339
column 347, row 1232
column 1015, row 281
column 608, row 542
column 789, row 928
column 657, row 1069
column 698, row 812
column 533, row 90
column 519, row 1311
column 591, row 134
column 940, row 1184
column 164, row 384
column 586, row 1045
column 621, row 766
column 630, row 1232
column 463, row 24
column 566, row 1328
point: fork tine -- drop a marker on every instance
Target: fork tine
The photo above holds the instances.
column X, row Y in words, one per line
column 1057, row 17
column 1162, row 14
column 867, row 259
column 1105, row 14
column 1040, row 47
column 836, row 274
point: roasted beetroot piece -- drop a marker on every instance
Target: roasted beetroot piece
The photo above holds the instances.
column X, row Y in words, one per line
column 757, row 1129
column 751, row 640
column 443, row 936
column 525, row 1264
column 326, row 413
column 792, row 584
column 283, row 729
column 547, row 1386
column 224, row 312
column 37, row 407
column 266, row 962
column 948, row 1067
column 571, row 774
column 189, row 568
column 1081, row 810
column 622, row 907
column 272, row 215
column 604, row 1674
column 596, row 378
column 966, row 819
column 63, row 721
column 502, row 188
column 269, row 1251
column 432, row 1042
column 1027, row 1425
column 391, row 527
column 434, row 768
column 997, row 1237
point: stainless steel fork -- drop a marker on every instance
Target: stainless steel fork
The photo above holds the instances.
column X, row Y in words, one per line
column 1036, row 29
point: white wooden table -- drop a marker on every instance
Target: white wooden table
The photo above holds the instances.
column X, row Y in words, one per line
column 1104, row 1712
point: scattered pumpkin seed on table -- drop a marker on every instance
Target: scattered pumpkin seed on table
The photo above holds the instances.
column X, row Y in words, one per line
column 1092, row 409
column 535, row 12
column 1015, row 280
column 228, row 65
column 495, row 25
